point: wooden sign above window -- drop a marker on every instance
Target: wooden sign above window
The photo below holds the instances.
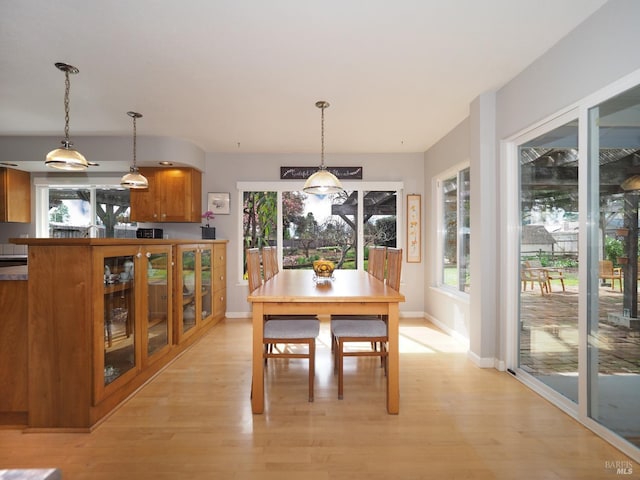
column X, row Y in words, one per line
column 302, row 173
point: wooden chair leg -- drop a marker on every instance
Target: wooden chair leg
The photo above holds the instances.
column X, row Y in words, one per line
column 312, row 367
column 340, row 346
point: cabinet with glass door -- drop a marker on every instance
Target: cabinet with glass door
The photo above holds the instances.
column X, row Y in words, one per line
column 133, row 314
column 194, row 286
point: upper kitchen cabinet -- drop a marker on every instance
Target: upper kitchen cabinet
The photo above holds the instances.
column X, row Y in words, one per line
column 174, row 195
column 15, row 195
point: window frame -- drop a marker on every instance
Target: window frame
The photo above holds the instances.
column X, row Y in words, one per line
column 441, row 230
column 43, row 184
column 294, row 186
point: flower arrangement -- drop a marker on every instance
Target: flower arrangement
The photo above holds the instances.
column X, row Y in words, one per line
column 208, row 216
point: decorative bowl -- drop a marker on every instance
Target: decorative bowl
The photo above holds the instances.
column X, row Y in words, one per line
column 323, row 268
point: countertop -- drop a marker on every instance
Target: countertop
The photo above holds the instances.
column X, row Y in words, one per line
column 14, row 273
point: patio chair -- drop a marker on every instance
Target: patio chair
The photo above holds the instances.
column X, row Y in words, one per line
column 607, row 272
column 546, row 274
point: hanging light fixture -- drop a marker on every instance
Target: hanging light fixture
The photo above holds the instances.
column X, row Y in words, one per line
column 631, row 183
column 66, row 158
column 323, row 181
column 134, row 179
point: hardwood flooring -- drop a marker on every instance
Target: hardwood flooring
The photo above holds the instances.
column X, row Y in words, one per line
column 194, row 421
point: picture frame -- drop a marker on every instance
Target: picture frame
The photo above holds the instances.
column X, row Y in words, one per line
column 219, row 202
column 414, row 228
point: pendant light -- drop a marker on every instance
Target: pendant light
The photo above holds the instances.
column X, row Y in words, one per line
column 134, row 179
column 66, row 158
column 323, row 181
column 631, row 183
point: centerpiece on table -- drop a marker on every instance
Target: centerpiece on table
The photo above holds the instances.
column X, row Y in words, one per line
column 323, row 270
column 208, row 232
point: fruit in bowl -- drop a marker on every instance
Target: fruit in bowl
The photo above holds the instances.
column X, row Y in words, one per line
column 323, row 268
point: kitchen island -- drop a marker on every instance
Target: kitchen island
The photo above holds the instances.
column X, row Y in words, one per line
column 13, row 345
column 101, row 318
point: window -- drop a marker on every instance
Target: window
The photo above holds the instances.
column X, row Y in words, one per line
column 309, row 227
column 87, row 210
column 454, row 245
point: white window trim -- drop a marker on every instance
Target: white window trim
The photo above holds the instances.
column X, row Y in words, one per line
column 438, row 264
column 42, row 185
column 296, row 186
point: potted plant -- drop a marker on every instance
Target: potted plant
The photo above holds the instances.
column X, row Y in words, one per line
column 208, row 232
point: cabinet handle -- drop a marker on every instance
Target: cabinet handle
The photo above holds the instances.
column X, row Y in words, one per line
column 148, row 254
column 138, row 255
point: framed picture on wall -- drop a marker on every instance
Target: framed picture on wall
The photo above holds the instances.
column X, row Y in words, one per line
column 414, row 228
column 218, row 203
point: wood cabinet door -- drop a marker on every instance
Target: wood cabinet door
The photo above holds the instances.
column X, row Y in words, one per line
column 144, row 202
column 174, row 195
column 15, row 195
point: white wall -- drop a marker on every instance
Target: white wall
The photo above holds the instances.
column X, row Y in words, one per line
column 223, row 171
column 598, row 52
column 450, row 312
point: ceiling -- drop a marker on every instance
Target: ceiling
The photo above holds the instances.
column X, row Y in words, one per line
column 244, row 75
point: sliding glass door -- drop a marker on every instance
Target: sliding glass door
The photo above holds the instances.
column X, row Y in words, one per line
column 613, row 326
column 548, row 334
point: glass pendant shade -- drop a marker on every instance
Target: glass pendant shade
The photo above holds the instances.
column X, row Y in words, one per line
column 134, row 179
column 322, row 182
column 66, row 158
column 631, row 183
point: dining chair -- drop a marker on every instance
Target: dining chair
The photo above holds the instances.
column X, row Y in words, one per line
column 347, row 330
column 270, row 261
column 377, row 259
column 287, row 330
column 254, row 276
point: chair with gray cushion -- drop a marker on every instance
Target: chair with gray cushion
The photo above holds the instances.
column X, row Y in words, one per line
column 372, row 329
column 287, row 330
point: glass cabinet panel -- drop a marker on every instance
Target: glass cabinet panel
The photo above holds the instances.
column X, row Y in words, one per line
column 119, row 317
column 188, row 290
column 206, row 282
column 158, row 307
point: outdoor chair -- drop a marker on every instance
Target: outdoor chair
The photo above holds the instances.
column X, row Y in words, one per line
column 607, row 272
column 545, row 274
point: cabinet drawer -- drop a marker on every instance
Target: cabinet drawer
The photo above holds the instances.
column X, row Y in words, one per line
column 219, row 303
column 219, row 279
column 220, row 255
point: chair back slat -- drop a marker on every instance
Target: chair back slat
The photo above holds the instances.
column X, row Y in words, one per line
column 270, row 261
column 394, row 267
column 253, row 269
column 377, row 260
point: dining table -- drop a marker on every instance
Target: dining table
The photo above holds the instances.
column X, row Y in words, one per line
column 348, row 292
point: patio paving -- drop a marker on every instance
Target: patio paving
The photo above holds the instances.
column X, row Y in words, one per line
column 549, row 334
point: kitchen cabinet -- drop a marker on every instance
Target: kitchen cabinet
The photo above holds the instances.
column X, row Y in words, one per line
column 132, row 317
column 15, row 195
column 101, row 322
column 174, row 195
column 201, row 281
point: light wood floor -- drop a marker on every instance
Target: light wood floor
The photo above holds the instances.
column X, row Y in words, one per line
column 194, row 421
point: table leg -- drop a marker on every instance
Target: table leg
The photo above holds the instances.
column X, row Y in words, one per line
column 393, row 373
column 257, row 384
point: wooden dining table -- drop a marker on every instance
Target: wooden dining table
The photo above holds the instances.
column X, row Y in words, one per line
column 352, row 292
